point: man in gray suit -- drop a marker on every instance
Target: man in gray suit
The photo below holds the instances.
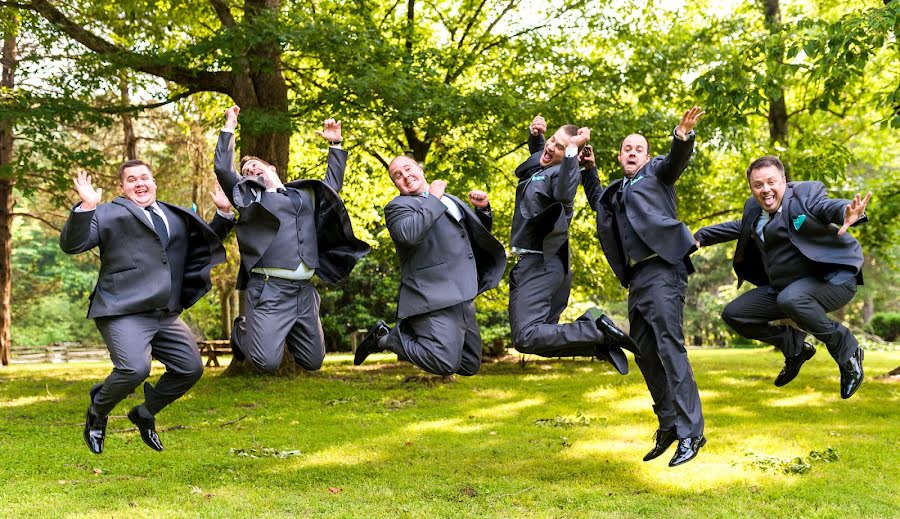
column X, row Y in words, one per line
column 804, row 266
column 541, row 280
column 286, row 233
column 155, row 260
column 648, row 247
column 447, row 256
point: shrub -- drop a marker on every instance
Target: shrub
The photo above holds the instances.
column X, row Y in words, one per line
column 886, row 325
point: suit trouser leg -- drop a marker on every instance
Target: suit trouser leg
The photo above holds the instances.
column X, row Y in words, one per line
column 472, row 346
column 538, row 294
column 656, row 302
column 807, row 301
column 751, row 315
column 652, row 369
column 433, row 341
column 306, row 340
column 132, row 340
column 271, row 310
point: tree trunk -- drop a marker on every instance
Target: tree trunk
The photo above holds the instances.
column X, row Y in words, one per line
column 7, row 196
column 129, row 141
column 778, row 117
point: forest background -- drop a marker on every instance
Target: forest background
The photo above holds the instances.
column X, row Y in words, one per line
column 87, row 84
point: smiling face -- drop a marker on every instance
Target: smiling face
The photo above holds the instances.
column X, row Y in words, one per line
column 138, row 185
column 407, row 176
column 634, row 154
column 555, row 148
column 767, row 185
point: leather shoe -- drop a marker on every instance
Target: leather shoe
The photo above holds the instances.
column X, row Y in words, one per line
column 369, row 344
column 792, row 364
column 94, row 426
column 615, row 335
column 664, row 440
column 687, row 450
column 852, row 374
column 614, row 355
column 236, row 352
column 147, row 428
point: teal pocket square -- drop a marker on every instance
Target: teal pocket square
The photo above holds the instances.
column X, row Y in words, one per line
column 798, row 221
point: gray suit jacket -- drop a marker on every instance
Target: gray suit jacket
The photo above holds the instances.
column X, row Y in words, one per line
column 813, row 222
column 443, row 262
column 651, row 209
column 136, row 271
column 338, row 247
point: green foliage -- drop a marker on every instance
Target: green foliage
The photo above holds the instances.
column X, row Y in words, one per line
column 886, row 325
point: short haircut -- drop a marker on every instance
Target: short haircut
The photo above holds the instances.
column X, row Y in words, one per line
column 130, row 164
column 247, row 158
column 764, row 162
column 571, row 130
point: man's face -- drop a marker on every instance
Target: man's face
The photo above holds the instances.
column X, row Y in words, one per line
column 767, row 185
column 555, row 149
column 634, row 154
column 408, row 176
column 138, row 185
column 261, row 170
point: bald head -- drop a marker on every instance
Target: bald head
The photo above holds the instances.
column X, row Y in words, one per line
column 407, row 175
column 635, row 152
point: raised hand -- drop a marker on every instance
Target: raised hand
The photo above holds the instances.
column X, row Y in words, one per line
column 331, row 131
column 586, row 158
column 436, row 188
column 584, row 135
column 689, row 120
column 219, row 198
column 90, row 197
column 854, row 211
column 538, row 125
column 231, row 117
column 478, row 198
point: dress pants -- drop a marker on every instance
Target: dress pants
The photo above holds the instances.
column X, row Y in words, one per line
column 281, row 312
column 538, row 294
column 805, row 301
column 442, row 342
column 656, row 314
column 132, row 340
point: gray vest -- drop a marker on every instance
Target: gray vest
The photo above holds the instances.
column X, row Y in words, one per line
column 783, row 260
column 296, row 236
column 176, row 252
column 632, row 244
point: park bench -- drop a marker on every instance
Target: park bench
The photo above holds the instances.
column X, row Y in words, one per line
column 212, row 349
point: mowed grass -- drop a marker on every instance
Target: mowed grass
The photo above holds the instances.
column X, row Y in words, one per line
column 555, row 438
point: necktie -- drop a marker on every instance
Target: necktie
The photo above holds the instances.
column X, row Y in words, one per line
column 159, row 225
column 764, row 219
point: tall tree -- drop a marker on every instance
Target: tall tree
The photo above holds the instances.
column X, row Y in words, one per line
column 8, row 60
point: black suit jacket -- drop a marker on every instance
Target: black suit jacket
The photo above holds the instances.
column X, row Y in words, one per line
column 443, row 262
column 813, row 222
column 338, row 247
column 136, row 271
column 651, row 209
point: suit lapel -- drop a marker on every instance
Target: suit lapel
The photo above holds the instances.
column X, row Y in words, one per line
column 138, row 212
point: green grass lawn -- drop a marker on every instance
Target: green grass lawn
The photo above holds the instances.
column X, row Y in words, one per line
column 553, row 439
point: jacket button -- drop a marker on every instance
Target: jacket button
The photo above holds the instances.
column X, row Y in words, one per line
column 471, row 256
column 165, row 261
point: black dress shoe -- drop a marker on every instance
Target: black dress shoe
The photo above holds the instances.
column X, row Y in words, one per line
column 94, row 426
column 664, row 440
column 852, row 374
column 369, row 344
column 239, row 322
column 615, row 335
column 792, row 364
column 147, row 428
column 687, row 450
column 614, row 355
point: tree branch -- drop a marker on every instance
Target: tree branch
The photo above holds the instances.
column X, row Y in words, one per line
column 197, row 80
column 223, row 12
